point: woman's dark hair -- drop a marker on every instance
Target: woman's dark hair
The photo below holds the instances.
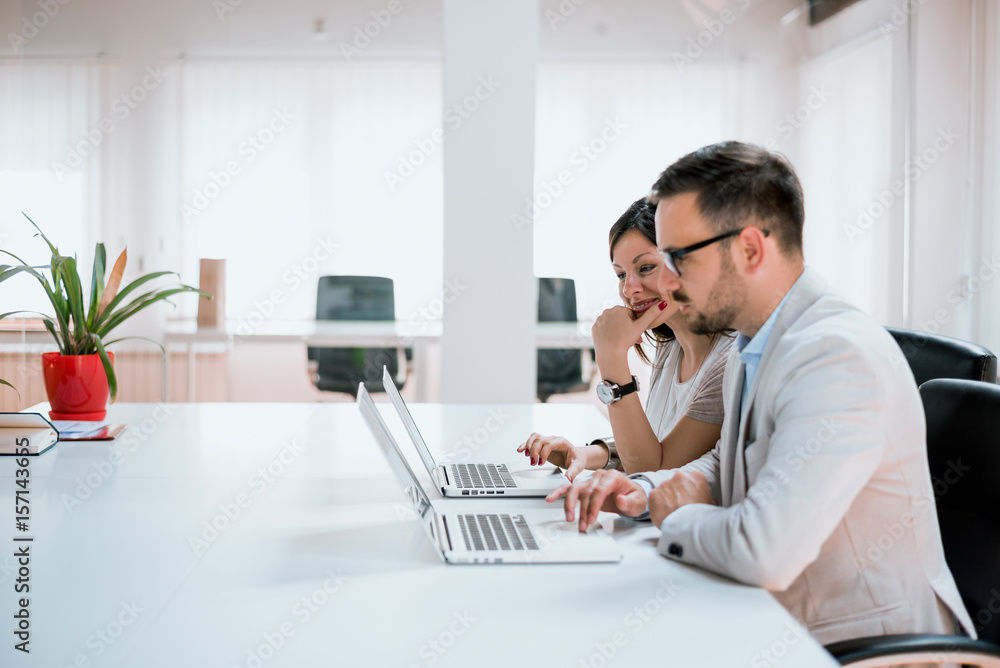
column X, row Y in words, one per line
column 640, row 217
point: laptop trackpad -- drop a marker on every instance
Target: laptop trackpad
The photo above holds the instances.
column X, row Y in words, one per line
column 544, row 472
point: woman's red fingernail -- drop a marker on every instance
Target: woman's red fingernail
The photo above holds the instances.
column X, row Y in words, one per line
column 663, row 305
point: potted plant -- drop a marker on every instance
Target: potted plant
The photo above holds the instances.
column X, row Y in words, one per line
column 80, row 377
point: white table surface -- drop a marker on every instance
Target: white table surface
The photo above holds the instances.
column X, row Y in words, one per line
column 115, row 580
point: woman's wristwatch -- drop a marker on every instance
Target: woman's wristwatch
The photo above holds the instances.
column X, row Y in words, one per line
column 609, row 392
column 608, row 443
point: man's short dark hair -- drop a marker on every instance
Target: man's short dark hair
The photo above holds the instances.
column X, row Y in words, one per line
column 736, row 181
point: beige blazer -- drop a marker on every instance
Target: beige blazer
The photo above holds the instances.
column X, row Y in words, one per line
column 824, row 491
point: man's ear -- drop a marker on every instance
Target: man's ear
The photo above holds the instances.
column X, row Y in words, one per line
column 752, row 249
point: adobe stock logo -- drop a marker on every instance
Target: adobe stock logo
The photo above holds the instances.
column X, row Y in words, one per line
column 29, row 28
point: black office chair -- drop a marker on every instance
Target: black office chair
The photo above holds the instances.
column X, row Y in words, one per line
column 932, row 356
column 963, row 450
column 559, row 371
column 354, row 298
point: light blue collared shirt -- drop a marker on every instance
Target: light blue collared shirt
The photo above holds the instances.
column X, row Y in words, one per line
column 751, row 349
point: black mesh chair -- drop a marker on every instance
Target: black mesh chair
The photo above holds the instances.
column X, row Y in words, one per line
column 354, row 298
column 963, row 451
column 559, row 371
column 931, row 356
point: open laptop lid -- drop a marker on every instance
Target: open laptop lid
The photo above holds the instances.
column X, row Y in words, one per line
column 397, row 462
column 411, row 427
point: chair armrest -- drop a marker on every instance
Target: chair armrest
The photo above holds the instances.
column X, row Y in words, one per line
column 892, row 650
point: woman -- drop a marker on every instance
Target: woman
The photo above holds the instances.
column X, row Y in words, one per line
column 683, row 416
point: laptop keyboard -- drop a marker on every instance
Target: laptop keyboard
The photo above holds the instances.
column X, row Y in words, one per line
column 496, row 532
column 482, row 476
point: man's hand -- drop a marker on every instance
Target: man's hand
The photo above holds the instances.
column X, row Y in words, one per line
column 680, row 490
column 606, row 490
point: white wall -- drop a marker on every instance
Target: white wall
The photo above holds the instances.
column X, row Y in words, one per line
column 603, row 61
column 942, row 229
column 911, row 141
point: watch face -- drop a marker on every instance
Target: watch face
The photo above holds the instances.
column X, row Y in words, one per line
column 604, row 393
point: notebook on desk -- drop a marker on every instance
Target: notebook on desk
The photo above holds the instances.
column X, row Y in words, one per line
column 472, row 479
column 492, row 536
column 26, row 434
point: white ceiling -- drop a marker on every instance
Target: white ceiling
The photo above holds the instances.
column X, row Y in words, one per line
column 594, row 29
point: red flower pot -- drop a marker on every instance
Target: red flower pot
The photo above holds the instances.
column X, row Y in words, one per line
column 77, row 386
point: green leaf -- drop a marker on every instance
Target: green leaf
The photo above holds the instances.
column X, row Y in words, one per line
column 96, row 283
column 128, row 289
column 24, row 266
column 4, row 382
column 49, row 325
column 74, row 298
column 159, row 345
column 53, row 249
column 109, row 368
column 10, row 313
column 77, row 329
column 53, row 292
column 141, row 302
column 9, row 272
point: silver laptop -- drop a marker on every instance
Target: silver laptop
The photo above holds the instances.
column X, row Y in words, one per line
column 472, row 479
column 527, row 536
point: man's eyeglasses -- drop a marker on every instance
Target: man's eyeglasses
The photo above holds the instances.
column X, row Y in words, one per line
column 670, row 258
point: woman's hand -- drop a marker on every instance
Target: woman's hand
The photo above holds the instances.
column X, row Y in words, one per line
column 555, row 449
column 618, row 328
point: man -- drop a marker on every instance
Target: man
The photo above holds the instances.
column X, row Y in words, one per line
column 818, row 489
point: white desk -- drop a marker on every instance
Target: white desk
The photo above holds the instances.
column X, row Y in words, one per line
column 120, row 564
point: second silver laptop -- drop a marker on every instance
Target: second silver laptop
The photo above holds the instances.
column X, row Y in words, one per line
column 471, row 479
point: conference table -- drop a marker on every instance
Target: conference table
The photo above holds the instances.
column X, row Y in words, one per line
column 187, row 336
column 268, row 535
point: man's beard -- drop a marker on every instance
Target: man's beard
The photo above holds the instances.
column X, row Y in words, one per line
column 724, row 303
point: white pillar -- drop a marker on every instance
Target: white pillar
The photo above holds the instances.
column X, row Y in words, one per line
column 488, row 348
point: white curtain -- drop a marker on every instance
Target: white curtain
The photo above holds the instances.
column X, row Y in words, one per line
column 284, row 171
column 50, row 166
column 845, row 166
column 284, row 175
column 292, row 170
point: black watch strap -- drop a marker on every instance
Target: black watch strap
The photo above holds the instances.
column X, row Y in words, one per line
column 628, row 388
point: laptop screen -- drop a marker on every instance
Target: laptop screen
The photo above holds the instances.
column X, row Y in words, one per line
column 411, row 427
column 397, row 462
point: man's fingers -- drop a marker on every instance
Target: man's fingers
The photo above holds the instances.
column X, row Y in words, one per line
column 569, row 501
column 557, row 493
column 632, row 503
column 584, row 505
column 594, row 500
column 598, row 499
